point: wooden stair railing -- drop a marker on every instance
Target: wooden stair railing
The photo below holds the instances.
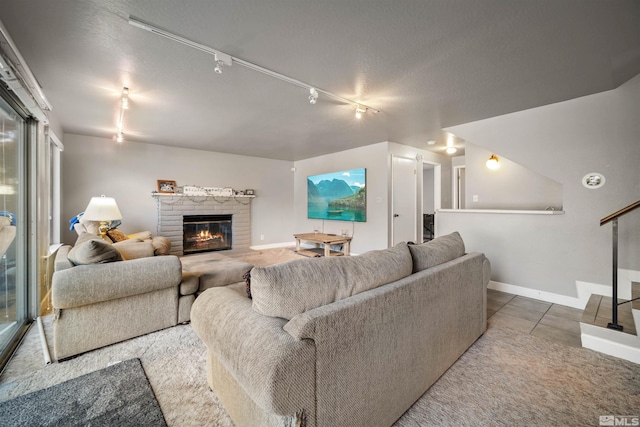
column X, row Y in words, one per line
column 613, row 218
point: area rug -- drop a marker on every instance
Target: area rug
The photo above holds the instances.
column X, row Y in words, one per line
column 119, row 395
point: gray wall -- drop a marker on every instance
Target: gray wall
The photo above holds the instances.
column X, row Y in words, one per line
column 563, row 141
column 129, row 172
column 511, row 186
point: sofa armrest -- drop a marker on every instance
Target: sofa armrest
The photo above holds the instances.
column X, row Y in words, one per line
column 274, row 369
column 90, row 284
column 62, row 262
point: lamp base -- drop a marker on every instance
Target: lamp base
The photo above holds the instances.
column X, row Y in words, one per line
column 102, row 229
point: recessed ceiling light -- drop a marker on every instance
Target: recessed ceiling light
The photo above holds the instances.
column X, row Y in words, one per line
column 593, row 180
column 431, row 142
column 451, row 150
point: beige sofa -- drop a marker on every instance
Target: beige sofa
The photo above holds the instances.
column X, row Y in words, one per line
column 105, row 293
column 342, row 341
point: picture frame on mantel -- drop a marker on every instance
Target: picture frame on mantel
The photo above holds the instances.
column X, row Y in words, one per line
column 166, row 186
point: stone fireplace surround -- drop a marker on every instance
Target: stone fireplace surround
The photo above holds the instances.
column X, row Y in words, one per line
column 172, row 207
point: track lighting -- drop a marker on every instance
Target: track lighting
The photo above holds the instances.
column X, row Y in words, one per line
column 222, row 59
column 124, row 105
column 125, row 98
column 313, row 96
column 219, row 64
column 492, row 163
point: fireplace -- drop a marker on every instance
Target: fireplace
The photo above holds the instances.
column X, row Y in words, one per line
column 203, row 233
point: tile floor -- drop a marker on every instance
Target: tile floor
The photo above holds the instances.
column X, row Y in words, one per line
column 543, row 319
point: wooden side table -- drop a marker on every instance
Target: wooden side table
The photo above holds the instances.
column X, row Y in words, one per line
column 326, row 240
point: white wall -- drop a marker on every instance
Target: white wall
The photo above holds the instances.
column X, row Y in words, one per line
column 563, row 141
column 129, row 172
column 511, row 186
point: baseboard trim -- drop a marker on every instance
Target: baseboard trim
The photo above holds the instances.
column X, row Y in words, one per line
column 537, row 294
column 272, row 246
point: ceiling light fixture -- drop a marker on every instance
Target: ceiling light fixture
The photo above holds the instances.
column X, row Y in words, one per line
column 492, row 163
column 219, row 64
column 450, row 148
column 359, row 110
column 125, row 98
column 124, row 105
column 228, row 60
column 313, row 96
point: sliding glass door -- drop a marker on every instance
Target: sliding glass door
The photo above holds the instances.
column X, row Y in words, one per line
column 13, row 225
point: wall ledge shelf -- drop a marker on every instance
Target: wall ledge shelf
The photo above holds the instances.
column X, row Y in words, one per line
column 503, row 211
column 238, row 196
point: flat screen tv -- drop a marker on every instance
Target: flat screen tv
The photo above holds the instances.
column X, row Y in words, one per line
column 338, row 196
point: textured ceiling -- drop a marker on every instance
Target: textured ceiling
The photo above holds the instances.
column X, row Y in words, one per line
column 425, row 64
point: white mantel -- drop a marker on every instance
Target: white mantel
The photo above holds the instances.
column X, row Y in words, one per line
column 172, row 208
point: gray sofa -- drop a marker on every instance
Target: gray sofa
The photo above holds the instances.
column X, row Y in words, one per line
column 105, row 293
column 342, row 341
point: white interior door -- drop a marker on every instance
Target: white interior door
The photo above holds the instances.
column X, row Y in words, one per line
column 404, row 196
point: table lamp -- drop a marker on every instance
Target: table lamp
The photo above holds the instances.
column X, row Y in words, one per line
column 103, row 209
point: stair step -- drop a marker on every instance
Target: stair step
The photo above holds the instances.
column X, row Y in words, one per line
column 598, row 313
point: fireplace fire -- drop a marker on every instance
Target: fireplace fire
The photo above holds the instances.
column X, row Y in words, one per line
column 202, row 233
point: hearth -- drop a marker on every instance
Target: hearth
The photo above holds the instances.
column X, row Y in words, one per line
column 203, row 233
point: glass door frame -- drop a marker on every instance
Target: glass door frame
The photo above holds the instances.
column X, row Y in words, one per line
column 26, row 236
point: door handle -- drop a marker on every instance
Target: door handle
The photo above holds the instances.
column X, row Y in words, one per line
column 396, row 215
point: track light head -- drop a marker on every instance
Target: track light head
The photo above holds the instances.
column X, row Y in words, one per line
column 219, row 64
column 119, row 138
column 359, row 110
column 313, row 96
column 125, row 98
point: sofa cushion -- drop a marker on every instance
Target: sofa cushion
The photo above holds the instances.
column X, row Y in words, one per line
column 291, row 288
column 90, row 249
column 437, row 251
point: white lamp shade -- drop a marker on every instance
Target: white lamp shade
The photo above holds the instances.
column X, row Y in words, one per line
column 102, row 209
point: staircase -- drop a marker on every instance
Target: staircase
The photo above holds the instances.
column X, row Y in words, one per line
column 609, row 324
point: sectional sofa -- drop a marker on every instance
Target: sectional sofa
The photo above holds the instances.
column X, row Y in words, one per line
column 341, row 341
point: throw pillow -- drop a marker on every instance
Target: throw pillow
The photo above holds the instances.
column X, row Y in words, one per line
column 142, row 235
column 90, row 249
column 161, row 245
column 438, row 251
column 134, row 249
column 91, row 227
column 116, row 235
column 247, row 282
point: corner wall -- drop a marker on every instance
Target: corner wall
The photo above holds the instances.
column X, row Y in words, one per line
column 129, row 172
